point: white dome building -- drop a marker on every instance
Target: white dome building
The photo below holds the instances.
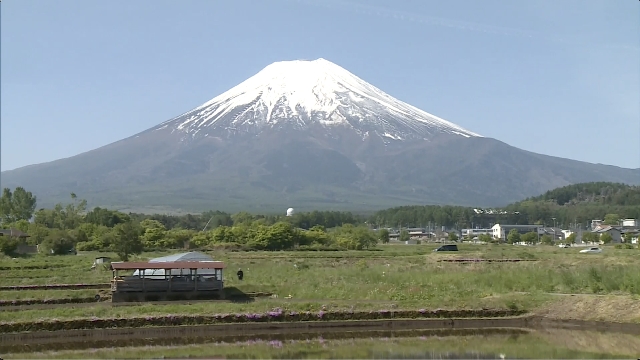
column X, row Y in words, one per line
column 290, row 212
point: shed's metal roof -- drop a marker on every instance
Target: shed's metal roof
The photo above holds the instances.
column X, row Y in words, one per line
column 164, row 265
column 187, row 256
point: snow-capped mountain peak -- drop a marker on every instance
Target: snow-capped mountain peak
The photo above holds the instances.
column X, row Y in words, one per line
column 300, row 93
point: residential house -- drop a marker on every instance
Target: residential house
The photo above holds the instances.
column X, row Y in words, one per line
column 614, row 231
column 14, row 233
column 23, row 247
column 596, row 223
column 556, row 234
column 500, row 231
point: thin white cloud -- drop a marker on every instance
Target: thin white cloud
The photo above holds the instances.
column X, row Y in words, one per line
column 380, row 11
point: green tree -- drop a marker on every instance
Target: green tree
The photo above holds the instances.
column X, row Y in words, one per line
column 242, row 217
column 8, row 244
column 484, row 238
column 176, row 238
column 153, row 232
column 58, row 242
column 279, row 236
column 530, row 238
column 126, row 240
column 16, row 206
column 23, row 204
column 200, row 240
column 612, row 219
column 590, row 237
column 37, row 233
column 453, row 236
column 109, row 218
column 383, row 236
column 628, row 237
column 404, row 235
column 606, row 238
column 571, row 239
column 6, row 206
column 546, row 239
column 513, row 237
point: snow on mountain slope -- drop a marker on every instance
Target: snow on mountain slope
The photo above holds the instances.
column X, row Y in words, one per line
column 304, row 93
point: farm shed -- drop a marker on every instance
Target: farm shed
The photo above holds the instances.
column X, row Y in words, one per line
column 175, row 258
column 102, row 260
column 183, row 281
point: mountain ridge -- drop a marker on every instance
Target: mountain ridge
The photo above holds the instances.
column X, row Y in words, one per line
column 328, row 151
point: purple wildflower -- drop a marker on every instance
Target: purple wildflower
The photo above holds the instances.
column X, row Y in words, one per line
column 320, row 314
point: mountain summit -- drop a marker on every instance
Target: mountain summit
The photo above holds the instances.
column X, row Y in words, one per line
column 308, row 135
column 301, row 94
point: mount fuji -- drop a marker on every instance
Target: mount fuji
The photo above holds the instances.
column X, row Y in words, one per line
column 311, row 135
column 301, row 94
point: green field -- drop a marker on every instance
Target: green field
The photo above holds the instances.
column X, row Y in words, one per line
column 394, row 276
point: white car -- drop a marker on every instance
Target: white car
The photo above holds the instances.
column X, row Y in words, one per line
column 593, row 250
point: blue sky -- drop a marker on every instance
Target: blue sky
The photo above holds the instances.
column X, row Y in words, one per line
column 553, row 77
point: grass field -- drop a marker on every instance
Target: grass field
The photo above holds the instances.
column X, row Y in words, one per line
column 395, row 276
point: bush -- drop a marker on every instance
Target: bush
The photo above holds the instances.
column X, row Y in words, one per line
column 88, row 246
column 8, row 244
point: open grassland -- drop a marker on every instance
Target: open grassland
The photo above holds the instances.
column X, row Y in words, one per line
column 395, row 276
column 556, row 344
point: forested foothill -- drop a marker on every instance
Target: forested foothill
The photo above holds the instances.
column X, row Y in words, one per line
column 74, row 227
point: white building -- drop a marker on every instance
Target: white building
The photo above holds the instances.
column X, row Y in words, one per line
column 501, row 231
column 476, row 232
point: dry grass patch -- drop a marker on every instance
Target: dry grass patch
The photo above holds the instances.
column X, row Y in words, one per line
column 612, row 308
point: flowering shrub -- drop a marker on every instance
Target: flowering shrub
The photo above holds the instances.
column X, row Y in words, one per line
column 275, row 315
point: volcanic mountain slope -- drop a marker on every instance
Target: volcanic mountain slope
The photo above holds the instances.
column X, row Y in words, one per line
column 307, row 134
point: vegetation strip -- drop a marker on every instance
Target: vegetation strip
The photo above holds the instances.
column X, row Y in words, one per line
column 276, row 316
column 56, row 287
column 23, row 302
column 94, row 299
column 32, row 267
column 95, row 339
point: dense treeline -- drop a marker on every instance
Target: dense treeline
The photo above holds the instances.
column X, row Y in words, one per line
column 72, row 226
column 68, row 227
column 571, row 206
column 600, row 193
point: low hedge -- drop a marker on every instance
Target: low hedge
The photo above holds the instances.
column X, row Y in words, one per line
column 273, row 316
